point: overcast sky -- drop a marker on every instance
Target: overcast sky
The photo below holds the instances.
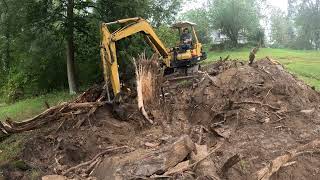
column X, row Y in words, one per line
column 282, row 4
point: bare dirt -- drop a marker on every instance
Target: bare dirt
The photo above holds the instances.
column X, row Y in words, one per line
column 258, row 112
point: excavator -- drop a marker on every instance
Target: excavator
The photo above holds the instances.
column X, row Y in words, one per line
column 171, row 58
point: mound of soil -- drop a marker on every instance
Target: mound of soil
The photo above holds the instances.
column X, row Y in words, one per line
column 257, row 112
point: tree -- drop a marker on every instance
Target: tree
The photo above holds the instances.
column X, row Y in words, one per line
column 49, row 38
column 307, row 21
column 6, row 23
column 163, row 11
column 234, row 17
column 70, row 48
column 279, row 28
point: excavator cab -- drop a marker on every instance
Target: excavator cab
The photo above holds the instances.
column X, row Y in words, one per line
column 187, row 54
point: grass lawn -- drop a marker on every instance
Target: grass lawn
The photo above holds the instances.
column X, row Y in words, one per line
column 304, row 64
column 29, row 107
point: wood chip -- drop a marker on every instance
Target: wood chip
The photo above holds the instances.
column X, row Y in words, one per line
column 151, row 145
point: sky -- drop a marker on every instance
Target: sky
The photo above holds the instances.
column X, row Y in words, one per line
column 282, row 4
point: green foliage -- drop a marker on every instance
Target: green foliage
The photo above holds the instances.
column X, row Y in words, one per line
column 307, row 20
column 163, row 11
column 234, row 17
column 169, row 36
column 280, row 26
column 33, row 41
column 299, row 29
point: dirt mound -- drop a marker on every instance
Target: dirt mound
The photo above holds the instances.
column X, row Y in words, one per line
column 261, row 111
column 256, row 112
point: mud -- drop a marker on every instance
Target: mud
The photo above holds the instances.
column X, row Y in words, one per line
column 258, row 112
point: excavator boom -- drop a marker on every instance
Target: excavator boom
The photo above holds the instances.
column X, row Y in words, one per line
column 108, row 46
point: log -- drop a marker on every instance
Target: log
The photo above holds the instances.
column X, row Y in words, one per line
column 146, row 163
column 27, row 127
column 35, row 118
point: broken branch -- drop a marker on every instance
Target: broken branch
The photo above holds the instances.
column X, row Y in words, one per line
column 266, row 172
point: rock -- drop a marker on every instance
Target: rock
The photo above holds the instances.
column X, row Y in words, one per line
column 206, row 167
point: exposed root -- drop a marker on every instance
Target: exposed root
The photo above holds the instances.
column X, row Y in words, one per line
column 93, row 161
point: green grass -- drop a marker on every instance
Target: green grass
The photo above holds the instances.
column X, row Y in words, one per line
column 304, row 64
column 29, row 107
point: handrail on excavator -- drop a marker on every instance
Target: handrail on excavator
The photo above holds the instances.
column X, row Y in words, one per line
column 123, row 21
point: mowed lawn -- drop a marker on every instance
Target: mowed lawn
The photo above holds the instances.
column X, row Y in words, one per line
column 304, row 64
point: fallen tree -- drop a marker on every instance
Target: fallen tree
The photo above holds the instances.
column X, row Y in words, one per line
column 86, row 103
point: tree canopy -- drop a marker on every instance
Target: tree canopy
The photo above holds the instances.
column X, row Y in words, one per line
column 40, row 39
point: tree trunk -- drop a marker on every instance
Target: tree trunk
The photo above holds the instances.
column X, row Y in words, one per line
column 6, row 57
column 70, row 49
column 233, row 36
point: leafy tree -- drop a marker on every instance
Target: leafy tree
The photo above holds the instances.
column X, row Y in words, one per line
column 35, row 37
column 169, row 36
column 279, row 28
column 234, row 17
column 163, row 11
column 307, row 21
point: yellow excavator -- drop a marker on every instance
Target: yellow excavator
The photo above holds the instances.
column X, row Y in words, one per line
column 172, row 58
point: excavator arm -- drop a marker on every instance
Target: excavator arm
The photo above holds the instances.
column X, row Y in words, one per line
column 108, row 46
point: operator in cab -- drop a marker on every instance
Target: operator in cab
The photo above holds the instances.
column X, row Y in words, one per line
column 186, row 40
